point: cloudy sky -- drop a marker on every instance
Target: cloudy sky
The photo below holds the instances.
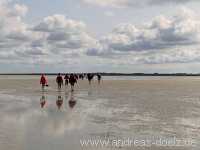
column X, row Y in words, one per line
column 100, row 35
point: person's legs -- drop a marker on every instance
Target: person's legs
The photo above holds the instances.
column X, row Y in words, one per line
column 72, row 86
column 43, row 87
column 59, row 86
column 66, row 82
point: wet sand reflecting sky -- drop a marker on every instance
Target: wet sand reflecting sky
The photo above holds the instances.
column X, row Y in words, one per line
column 32, row 119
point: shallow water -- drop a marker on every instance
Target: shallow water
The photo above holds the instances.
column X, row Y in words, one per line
column 119, row 108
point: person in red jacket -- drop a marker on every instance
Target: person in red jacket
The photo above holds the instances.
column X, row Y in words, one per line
column 43, row 81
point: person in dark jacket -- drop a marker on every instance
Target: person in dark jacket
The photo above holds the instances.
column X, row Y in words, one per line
column 72, row 81
column 90, row 77
column 59, row 81
column 99, row 78
column 66, row 79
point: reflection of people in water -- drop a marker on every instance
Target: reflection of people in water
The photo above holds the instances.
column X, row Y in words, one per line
column 66, row 95
column 59, row 101
column 72, row 101
column 42, row 101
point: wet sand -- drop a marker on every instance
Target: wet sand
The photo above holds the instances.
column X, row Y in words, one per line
column 115, row 109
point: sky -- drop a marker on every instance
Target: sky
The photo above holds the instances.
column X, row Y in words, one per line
column 99, row 36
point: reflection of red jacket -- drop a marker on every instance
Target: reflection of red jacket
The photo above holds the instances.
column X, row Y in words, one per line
column 43, row 80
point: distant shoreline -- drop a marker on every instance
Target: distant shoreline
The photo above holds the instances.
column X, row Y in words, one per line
column 114, row 74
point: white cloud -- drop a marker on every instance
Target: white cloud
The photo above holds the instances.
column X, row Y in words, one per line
column 20, row 10
column 156, row 42
column 161, row 33
column 51, row 38
column 64, row 33
column 170, row 1
column 12, row 28
column 130, row 3
column 176, row 55
column 110, row 3
column 59, row 23
column 109, row 13
column 59, row 40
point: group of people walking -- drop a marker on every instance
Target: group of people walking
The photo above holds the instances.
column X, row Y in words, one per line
column 71, row 79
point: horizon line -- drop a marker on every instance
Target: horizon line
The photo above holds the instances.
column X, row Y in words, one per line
column 112, row 74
